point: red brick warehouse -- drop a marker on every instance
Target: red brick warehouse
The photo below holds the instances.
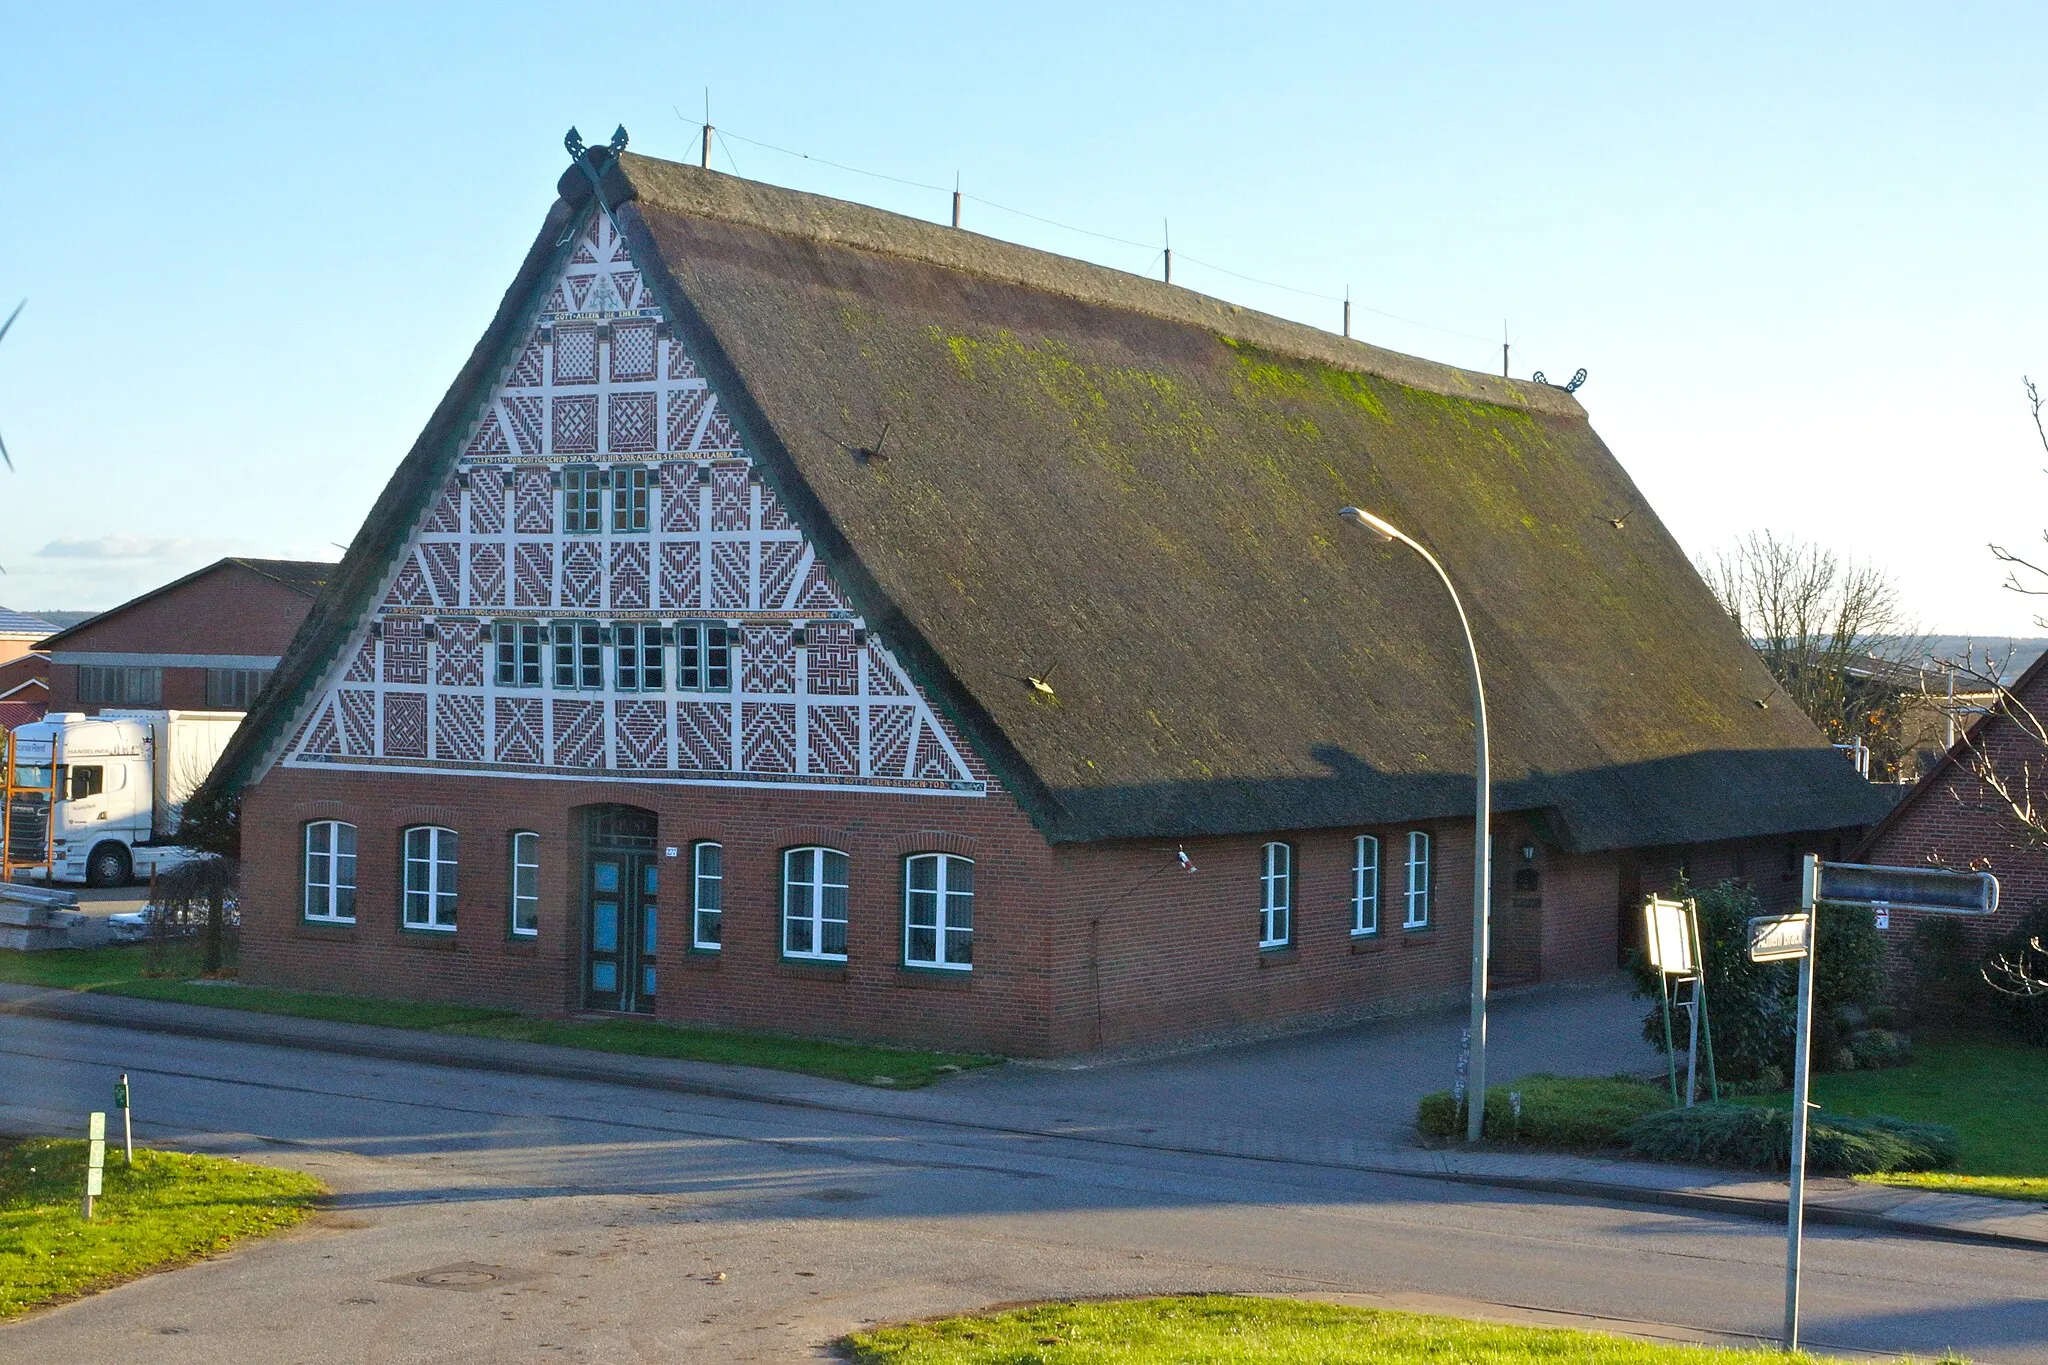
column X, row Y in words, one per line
column 802, row 617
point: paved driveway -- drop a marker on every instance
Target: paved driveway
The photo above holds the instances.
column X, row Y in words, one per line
column 1361, row 1082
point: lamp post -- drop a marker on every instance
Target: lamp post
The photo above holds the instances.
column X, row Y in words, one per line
column 1482, row 851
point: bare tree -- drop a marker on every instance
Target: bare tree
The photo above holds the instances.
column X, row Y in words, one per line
column 1833, row 634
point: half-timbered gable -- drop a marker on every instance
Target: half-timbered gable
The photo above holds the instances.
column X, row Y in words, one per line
column 603, row 586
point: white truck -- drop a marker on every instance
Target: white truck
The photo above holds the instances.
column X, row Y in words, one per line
column 101, row 795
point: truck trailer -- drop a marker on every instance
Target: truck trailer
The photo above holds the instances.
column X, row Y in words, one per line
column 96, row 799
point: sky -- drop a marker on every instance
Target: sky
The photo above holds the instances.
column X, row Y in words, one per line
column 1796, row 248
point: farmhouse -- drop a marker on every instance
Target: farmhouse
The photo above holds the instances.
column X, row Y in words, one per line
column 807, row 618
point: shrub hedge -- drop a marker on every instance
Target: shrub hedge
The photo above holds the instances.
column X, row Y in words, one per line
column 1761, row 1139
column 1557, row 1111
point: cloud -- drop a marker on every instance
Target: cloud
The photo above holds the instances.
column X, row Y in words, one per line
column 123, row 545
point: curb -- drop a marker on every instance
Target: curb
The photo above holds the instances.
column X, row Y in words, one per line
column 72, row 1007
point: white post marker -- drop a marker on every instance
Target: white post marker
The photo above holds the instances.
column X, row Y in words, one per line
column 95, row 1159
column 127, row 1125
column 1785, row 938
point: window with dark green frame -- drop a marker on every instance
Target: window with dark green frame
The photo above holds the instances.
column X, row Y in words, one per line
column 707, row 905
column 629, row 500
column 814, row 904
column 519, row 653
column 582, row 500
column 525, row 883
column 938, row 911
column 637, row 658
column 579, row 656
column 703, row 657
column 430, row 868
column 330, row 872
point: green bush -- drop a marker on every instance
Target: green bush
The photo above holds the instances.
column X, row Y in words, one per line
column 1761, row 1139
column 1754, row 1006
column 2022, row 1018
column 1557, row 1111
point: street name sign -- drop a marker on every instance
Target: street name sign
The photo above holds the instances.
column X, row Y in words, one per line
column 1780, row 938
column 1908, row 888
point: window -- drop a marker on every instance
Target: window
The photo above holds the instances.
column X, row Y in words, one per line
column 636, row 655
column 579, row 656
column 1276, row 896
column 582, row 501
column 1365, row 884
column 430, row 878
column 330, row 881
column 525, row 883
column 1418, row 881
column 708, row 913
column 87, row 779
column 120, row 686
column 938, row 911
column 703, row 657
column 814, row 904
column 233, row 689
column 629, row 500
column 519, row 648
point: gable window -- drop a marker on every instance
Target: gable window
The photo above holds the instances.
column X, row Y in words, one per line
column 582, row 500
column 1276, row 896
column 938, row 911
column 430, row 878
column 579, row 656
column 1418, row 881
column 814, row 904
column 629, row 500
column 519, row 651
column 329, row 890
column 707, row 927
column 703, row 657
column 636, row 655
column 120, row 686
column 1365, row 884
column 525, row 883
column 233, row 689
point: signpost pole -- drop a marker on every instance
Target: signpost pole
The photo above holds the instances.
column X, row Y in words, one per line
column 1699, row 993
column 127, row 1125
column 1802, row 1064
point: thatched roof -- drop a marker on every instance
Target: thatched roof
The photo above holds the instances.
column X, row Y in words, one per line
column 1130, row 490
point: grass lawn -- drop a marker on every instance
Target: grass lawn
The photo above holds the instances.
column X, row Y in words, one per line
column 120, row 971
column 1992, row 1093
column 172, row 1208
column 1226, row 1330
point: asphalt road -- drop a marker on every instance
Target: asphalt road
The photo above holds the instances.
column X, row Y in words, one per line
column 558, row 1220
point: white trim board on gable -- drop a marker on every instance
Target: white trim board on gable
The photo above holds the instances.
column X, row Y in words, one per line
column 601, row 394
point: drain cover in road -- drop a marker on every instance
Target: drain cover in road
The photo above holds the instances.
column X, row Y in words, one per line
column 466, row 1275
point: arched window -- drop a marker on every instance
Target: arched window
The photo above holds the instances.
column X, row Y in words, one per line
column 1276, row 896
column 707, row 865
column 1365, row 884
column 525, row 883
column 814, row 904
column 1418, row 881
column 330, row 876
column 938, row 911
column 430, row 861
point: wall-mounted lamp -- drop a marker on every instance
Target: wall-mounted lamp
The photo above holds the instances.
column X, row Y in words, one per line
column 1528, row 852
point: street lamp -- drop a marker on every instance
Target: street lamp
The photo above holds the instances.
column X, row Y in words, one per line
column 1482, row 853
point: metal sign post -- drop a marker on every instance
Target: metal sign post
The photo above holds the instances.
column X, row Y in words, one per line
column 1786, row 938
column 95, row 1159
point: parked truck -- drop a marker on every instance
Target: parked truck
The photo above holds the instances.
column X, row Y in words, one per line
column 97, row 798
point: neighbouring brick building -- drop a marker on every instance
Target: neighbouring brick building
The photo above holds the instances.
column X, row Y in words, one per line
column 24, row 673
column 805, row 618
column 1952, row 818
column 206, row 642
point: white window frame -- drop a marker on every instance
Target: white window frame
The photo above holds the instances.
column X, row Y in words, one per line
column 427, row 886
column 1416, row 897
column 945, row 909
column 807, row 900
column 336, row 886
column 1365, row 885
column 525, row 891
column 1276, row 895
column 707, row 896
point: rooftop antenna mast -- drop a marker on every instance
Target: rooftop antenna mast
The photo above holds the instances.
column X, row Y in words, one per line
column 956, row 199
column 1503, row 348
column 1347, row 312
column 705, row 162
column 1167, row 229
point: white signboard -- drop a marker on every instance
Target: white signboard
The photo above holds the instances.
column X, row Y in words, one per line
column 1780, row 938
column 1670, row 937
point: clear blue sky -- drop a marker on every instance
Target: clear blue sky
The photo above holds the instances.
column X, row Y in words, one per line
column 1798, row 248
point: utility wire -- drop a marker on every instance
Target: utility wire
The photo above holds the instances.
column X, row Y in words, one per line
column 722, row 135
